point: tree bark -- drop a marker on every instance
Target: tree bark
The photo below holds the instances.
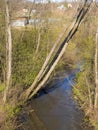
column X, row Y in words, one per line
column 9, row 51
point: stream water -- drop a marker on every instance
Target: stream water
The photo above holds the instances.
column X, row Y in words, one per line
column 55, row 108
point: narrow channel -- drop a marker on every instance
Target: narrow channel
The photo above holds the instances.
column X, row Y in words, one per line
column 55, row 109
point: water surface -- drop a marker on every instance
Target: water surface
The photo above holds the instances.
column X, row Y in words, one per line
column 57, row 109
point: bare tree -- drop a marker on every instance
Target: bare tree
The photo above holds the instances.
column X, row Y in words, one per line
column 96, row 71
column 8, row 50
column 42, row 71
column 49, row 69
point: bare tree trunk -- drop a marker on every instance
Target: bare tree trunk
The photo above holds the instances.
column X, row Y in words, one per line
column 50, row 71
column 96, row 71
column 45, row 64
column 72, row 29
column 9, row 50
column 38, row 41
column 47, row 70
column 42, row 71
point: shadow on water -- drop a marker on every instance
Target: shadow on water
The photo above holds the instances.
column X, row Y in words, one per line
column 58, row 82
column 54, row 108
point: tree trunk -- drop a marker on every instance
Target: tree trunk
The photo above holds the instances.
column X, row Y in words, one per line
column 38, row 77
column 48, row 69
column 38, row 41
column 9, row 51
column 57, row 57
column 96, row 72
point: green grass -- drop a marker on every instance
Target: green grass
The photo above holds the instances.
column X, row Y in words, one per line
column 2, row 87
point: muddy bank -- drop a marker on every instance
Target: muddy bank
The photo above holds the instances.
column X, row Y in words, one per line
column 53, row 108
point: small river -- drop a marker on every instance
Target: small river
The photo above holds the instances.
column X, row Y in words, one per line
column 55, row 109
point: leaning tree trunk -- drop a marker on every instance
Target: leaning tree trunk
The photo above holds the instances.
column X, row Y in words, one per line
column 48, row 70
column 8, row 50
column 43, row 69
column 51, row 67
column 41, row 72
